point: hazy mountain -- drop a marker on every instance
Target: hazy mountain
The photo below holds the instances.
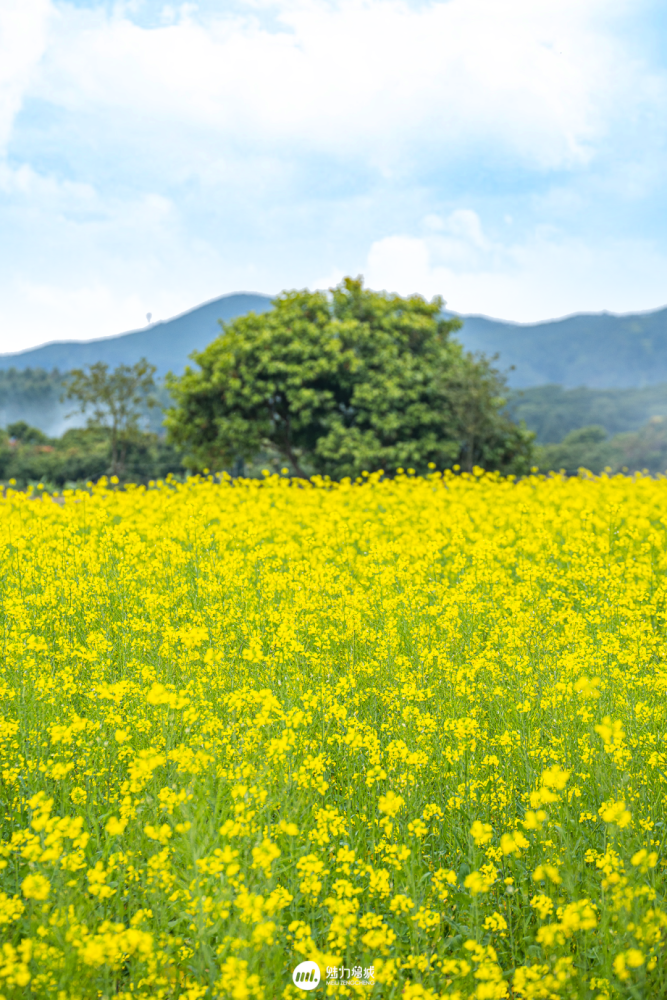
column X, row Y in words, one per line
column 598, row 350
column 626, row 356
column 166, row 344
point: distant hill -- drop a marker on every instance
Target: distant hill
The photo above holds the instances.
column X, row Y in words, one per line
column 598, row 350
column 166, row 345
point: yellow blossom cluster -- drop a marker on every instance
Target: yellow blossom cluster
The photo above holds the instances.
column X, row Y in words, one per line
column 410, row 727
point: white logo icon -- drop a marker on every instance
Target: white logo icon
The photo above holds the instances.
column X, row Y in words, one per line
column 306, row 976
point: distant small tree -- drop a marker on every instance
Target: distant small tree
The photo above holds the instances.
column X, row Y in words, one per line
column 584, row 448
column 25, row 434
column 477, row 392
column 118, row 400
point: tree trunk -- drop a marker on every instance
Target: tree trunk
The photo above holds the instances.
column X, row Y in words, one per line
column 289, row 455
column 114, row 451
column 287, row 449
column 471, row 446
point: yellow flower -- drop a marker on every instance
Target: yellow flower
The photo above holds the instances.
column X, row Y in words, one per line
column 35, row 887
column 534, row 820
column 555, row 777
column 645, row 860
column 479, row 882
column 543, row 905
column 481, row 833
column 291, row 829
column 391, row 804
column 549, row 872
column 78, row 796
column 615, row 812
column 115, row 827
column 611, row 732
column 264, row 855
column 496, row 923
column 237, row 667
column 626, row 960
column 160, row 833
column 401, row 904
column 588, row 688
column 11, row 908
column 513, row 843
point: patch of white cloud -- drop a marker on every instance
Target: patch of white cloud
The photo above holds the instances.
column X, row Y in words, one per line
column 194, row 151
column 85, row 311
column 23, row 41
column 374, row 79
column 546, row 275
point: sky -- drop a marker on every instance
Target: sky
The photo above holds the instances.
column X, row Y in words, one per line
column 508, row 155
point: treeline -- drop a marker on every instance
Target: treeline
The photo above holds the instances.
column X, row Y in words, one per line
column 552, row 412
column 118, row 408
column 623, row 430
column 592, row 448
column 34, row 396
column 329, row 384
column 28, row 456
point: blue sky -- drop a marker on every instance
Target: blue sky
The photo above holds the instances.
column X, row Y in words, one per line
column 509, row 156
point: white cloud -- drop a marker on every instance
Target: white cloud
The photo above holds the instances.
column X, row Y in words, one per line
column 23, row 25
column 547, row 275
column 160, row 155
column 372, row 79
column 87, row 311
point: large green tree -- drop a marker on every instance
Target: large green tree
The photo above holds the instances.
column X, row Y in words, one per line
column 340, row 383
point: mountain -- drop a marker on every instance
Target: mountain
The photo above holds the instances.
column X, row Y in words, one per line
column 166, row 344
column 598, row 350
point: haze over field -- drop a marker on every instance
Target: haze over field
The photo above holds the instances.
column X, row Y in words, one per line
column 507, row 156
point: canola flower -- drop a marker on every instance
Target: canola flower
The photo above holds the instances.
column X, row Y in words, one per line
column 412, row 725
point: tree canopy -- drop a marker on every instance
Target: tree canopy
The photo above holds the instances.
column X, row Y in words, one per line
column 118, row 400
column 344, row 382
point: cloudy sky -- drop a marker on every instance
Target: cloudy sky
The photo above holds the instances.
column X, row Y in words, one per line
column 509, row 155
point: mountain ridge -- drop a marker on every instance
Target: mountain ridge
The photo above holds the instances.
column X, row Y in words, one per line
column 189, row 331
column 598, row 350
column 149, row 326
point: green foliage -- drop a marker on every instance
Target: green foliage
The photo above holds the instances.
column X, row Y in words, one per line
column 118, row 400
column 338, row 384
column 25, row 434
column 590, row 448
column 586, row 448
column 552, row 411
column 80, row 455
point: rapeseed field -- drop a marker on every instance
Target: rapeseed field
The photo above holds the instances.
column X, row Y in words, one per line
column 411, row 730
